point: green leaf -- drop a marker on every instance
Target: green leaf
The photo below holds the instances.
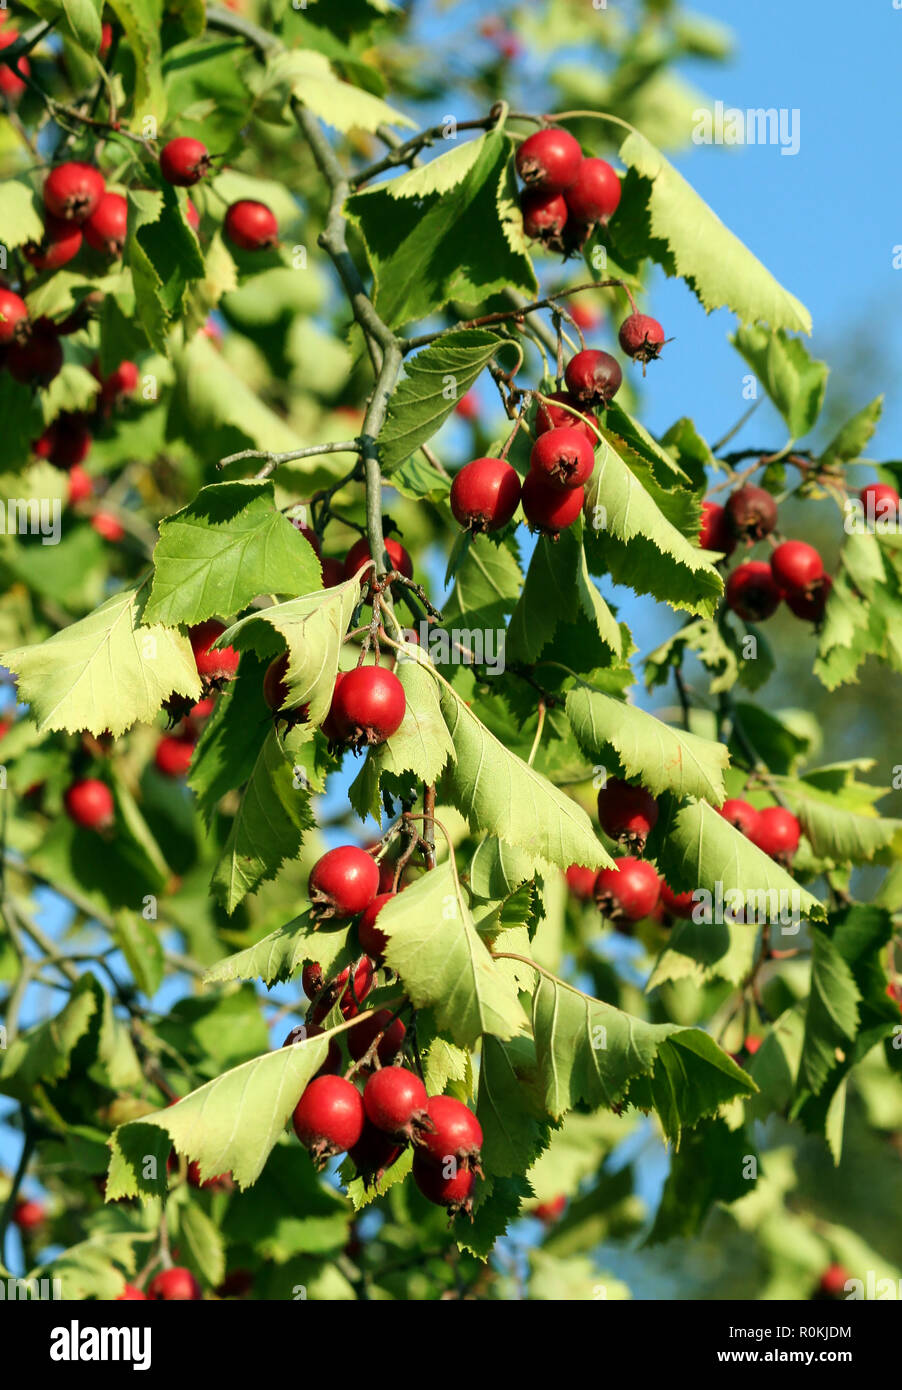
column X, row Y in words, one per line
column 662, row 216
column 106, row 672
column 418, row 480
column 831, row 1018
column 79, row 20
column 292, row 1211
column 232, row 737
column 559, row 589
column 422, row 744
column 703, row 951
column 45, row 1052
column 279, row 956
column 711, row 1166
column 497, row 869
column 140, row 20
column 850, row 441
column 501, row 795
column 164, row 258
column 661, row 757
column 837, row 831
column 486, row 587
column 436, row 950
column 445, row 247
column 203, row 1244
column 434, row 381
column 20, row 213
column 512, row 1121
column 223, row 550
column 140, row 944
column 307, row 76
column 793, row 380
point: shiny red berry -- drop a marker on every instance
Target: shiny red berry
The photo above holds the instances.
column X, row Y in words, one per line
column 630, row 890
column 13, row 312
column 715, row 531
column 549, row 160
column 551, row 415
column 777, row 832
column 72, row 191
column 90, row 804
column 581, row 882
column 184, row 161
column 59, row 245
column 550, row 509
column 326, row 993
column 811, row 605
column 371, row 938
column 485, row 494
column 880, row 502
column 364, row 1034
column 677, row 904
column 212, row 664
column 796, row 566
column 751, row 513
column 173, row 755
column 174, row 1285
column 752, row 593
column 251, row 226
column 105, row 228
column 333, row 571
column 594, row 194
column 641, row 338
column 454, row 1192
column 563, row 458
column 359, row 554
column 544, row 218
column 395, row 1101
column 741, row 815
column 343, row 882
column 130, row 1294
column 628, row 814
column 328, row 1118
column 374, row 1153
column 593, row 377
column 122, row 381
column 456, row 1134
column 369, row 706
column 36, row 359
column 833, row 1281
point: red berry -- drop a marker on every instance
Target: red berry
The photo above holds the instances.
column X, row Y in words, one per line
column 833, row 1281
column 123, row 381
column 715, row 532
column 371, row 939
column 218, row 1181
column 544, row 218
column 13, row 311
column 11, row 85
column 581, row 882
column 641, row 338
column 363, row 1035
column 275, row 691
column 677, row 904
column 550, row 509
column 594, row 194
column 192, row 215
column 173, row 755
column 251, row 226
column 813, row 604
column 27, row 1215
column 562, row 458
column 37, row 359
column 752, row 1043
column 174, row 1285
column 741, row 815
column 395, row 1101
column 81, row 485
column 328, row 1118
column 90, row 804
column 184, row 161
column 485, row 494
column 752, row 593
column 751, row 513
column 333, row 572
column 60, row 243
column 467, row 407
column 456, row 1134
column 369, row 706
column 374, row 1152
column 585, row 316
column 455, row 1192
column 549, row 160
column 329, row 991
column 880, row 502
column 72, row 191
column 628, row 814
column 211, row 664
column 302, row 1032
column 777, row 832
column 551, row 1211
column 629, row 890
column 359, row 554
column 106, row 39
column 66, row 442
column 796, row 566
column 130, row 1294
column 552, row 417
column 105, row 228
column 107, row 526
column 308, row 533
column 593, row 377
column 343, row 882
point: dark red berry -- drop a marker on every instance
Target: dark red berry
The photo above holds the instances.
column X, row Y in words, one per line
column 368, row 707
column 456, row 1134
column 485, row 494
column 184, row 161
column 212, row 665
column 677, row 904
column 364, row 1034
column 36, row 359
column 333, row 571
column 581, row 882
column 741, row 815
column 308, row 533
column 811, row 605
column 777, row 832
column 593, row 377
column 796, row 567
column 351, row 995
column 715, row 531
column 90, row 804
column 374, row 1153
column 174, row 1285
column 544, row 218
column 359, row 554
column 751, row 513
column 752, row 593
column 550, row 509
column 72, row 191
column 328, row 1118
column 275, row 690
column 549, row 160
column 552, row 416
column 630, row 890
column 173, row 755
column 594, row 194
column 395, row 1101
column 628, row 814
column 371, row 939
column 105, row 228
column 563, row 458
column 122, row 381
column 13, row 312
column 454, row 1192
column 641, row 338
column 343, row 882
column 251, row 226
column 66, row 442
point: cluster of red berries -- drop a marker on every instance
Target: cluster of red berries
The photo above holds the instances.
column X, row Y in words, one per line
column 566, row 194
column 775, row 830
column 249, row 225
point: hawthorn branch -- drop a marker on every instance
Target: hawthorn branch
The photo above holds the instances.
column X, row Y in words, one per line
column 507, row 315
column 274, row 461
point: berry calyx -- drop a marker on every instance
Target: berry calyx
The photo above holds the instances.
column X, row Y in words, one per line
column 13, row 312
column 581, row 882
column 628, row 814
column 59, row 245
column 544, row 218
column 550, row 509
column 594, row 194
column 796, row 567
column 715, row 533
column 72, row 191
column 374, row 1153
column 251, row 226
column 212, row 665
column 562, row 458
column 173, row 755
column 28, row 1214
column 66, row 442
column 105, row 228
column 677, row 904
column 90, row 804
column 811, row 605
column 752, row 592
column 880, row 502
column 343, row 882
column 184, row 161
column 740, row 814
column 371, row 938
column 751, row 512
column 395, row 1101
column 456, row 1134
column 549, row 160
column 176, row 1285
column 359, row 554
column 593, row 377
column 551, row 415
column 368, row 707
column 777, row 832
column 328, row 1118
column 630, row 890
column 485, row 494
column 362, row 1037
column 641, row 338
column 455, row 1192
